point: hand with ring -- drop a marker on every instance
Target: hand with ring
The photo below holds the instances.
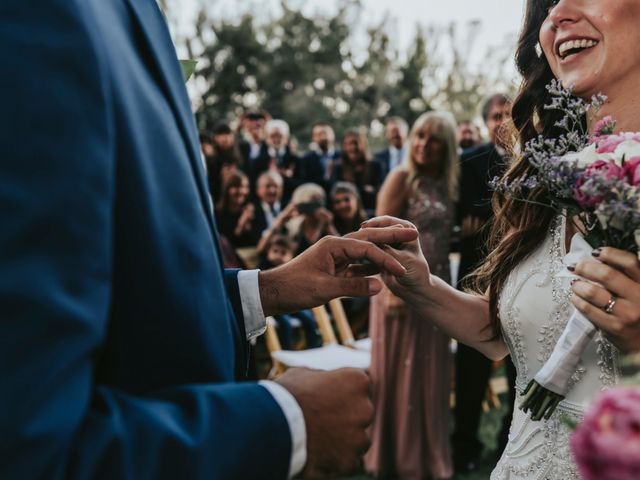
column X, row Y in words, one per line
column 609, row 295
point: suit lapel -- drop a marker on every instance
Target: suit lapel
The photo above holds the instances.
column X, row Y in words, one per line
column 162, row 52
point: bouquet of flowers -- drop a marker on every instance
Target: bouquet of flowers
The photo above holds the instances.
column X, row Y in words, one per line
column 594, row 180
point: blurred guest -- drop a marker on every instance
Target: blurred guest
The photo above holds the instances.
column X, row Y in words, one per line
column 468, row 134
column 318, row 164
column 253, row 145
column 346, row 205
column 411, row 362
column 281, row 154
column 348, row 214
column 390, row 158
column 479, row 165
column 357, row 167
column 268, row 200
column 235, row 215
column 314, row 221
column 279, row 252
column 206, row 144
column 221, row 157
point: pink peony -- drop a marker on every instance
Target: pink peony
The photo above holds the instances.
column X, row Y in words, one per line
column 632, row 170
column 600, row 167
column 609, row 143
column 606, row 445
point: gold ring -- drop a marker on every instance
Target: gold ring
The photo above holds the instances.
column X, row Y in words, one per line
column 608, row 308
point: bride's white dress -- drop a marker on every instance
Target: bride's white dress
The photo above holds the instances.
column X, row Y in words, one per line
column 534, row 309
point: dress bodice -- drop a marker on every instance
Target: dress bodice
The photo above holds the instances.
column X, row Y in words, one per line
column 430, row 209
column 534, row 309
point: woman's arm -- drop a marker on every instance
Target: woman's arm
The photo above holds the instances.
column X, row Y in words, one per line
column 460, row 315
column 392, row 196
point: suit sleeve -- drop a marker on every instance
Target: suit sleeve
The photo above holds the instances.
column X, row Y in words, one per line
column 56, row 195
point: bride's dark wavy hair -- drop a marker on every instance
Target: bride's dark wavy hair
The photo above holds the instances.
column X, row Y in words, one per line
column 519, row 227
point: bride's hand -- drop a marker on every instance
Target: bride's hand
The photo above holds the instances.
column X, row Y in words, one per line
column 614, row 283
column 409, row 255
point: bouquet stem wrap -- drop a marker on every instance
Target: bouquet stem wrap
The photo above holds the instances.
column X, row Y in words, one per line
column 551, row 384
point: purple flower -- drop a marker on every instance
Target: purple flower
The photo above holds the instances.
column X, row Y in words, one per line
column 606, row 445
column 584, row 193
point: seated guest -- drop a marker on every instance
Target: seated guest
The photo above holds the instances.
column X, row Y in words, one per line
column 314, row 221
column 468, row 135
column 357, row 167
column 268, row 204
column 281, row 154
column 235, row 214
column 348, row 216
column 347, row 208
column 253, row 146
column 221, row 157
column 390, row 158
column 279, row 252
column 318, row 164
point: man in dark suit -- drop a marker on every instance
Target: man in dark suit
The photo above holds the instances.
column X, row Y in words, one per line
column 268, row 204
column 396, row 131
column 479, row 166
column 253, row 146
column 318, row 164
column 281, row 155
column 121, row 336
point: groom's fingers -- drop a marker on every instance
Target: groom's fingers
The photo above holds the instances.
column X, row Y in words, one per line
column 386, row 235
column 349, row 250
column 387, row 221
column 361, row 271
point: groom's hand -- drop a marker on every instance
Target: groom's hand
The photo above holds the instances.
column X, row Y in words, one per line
column 333, row 268
column 337, row 412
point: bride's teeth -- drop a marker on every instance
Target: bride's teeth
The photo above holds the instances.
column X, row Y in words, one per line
column 573, row 44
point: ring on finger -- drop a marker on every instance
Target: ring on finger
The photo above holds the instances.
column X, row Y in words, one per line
column 608, row 308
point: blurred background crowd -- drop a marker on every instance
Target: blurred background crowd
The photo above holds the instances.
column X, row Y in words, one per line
column 307, row 131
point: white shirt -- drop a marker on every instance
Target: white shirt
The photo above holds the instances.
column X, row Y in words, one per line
column 255, row 325
column 396, row 157
column 269, row 214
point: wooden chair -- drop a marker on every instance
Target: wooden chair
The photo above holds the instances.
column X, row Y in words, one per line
column 344, row 329
column 330, row 356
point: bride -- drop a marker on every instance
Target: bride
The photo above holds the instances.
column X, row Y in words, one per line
column 526, row 306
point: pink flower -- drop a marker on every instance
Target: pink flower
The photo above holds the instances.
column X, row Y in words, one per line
column 606, row 445
column 609, row 143
column 603, row 127
column 600, row 167
column 632, row 170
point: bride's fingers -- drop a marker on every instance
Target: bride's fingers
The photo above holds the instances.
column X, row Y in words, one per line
column 393, row 234
column 610, row 278
column 626, row 262
column 387, row 221
column 596, row 295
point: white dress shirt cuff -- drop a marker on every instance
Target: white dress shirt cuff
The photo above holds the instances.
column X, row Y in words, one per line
column 254, row 322
column 295, row 419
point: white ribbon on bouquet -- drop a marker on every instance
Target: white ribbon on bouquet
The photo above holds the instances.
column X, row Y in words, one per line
column 563, row 362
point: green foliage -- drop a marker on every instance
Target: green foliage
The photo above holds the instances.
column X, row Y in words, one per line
column 304, row 68
column 188, row 67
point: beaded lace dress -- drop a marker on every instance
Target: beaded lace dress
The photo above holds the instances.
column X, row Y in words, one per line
column 534, row 308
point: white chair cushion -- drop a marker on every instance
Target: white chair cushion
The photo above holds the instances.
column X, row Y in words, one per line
column 329, row 357
column 363, row 345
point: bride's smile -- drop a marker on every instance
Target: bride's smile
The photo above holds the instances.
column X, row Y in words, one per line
column 591, row 45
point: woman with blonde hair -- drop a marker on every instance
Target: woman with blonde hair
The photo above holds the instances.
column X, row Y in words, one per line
column 411, row 363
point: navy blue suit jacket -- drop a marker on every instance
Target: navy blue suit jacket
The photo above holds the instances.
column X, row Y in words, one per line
column 120, row 340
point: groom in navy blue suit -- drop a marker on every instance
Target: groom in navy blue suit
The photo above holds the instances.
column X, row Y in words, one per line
column 121, row 337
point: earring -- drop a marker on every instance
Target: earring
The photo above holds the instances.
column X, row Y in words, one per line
column 538, row 50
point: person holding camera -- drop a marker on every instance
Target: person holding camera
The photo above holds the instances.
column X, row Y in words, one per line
column 314, row 220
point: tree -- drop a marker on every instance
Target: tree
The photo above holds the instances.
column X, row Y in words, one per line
column 302, row 68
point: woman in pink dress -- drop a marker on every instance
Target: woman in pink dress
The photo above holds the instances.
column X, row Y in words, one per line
column 411, row 362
